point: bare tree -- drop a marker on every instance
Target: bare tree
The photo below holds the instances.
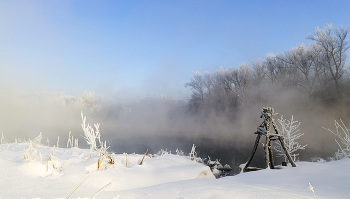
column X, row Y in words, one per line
column 197, row 86
column 332, row 45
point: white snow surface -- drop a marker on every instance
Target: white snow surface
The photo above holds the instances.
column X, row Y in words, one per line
column 170, row 176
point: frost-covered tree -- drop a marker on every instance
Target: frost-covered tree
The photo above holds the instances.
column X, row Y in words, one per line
column 290, row 132
column 333, row 46
column 197, row 85
column 343, row 134
column 320, row 69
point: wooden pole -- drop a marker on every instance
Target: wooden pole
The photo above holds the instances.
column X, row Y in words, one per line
column 272, row 165
column 281, row 139
column 267, row 155
column 253, row 152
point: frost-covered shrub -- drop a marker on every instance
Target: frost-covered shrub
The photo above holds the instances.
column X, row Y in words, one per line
column 91, row 134
column 193, row 153
column 161, row 153
column 179, row 152
column 337, row 156
column 343, row 133
column 317, row 159
column 217, row 168
column 105, row 159
column 289, row 130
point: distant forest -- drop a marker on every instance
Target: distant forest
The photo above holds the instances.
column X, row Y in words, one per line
column 318, row 71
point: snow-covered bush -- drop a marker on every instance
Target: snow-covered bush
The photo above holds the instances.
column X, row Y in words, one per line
column 105, row 158
column 289, row 130
column 343, row 134
column 179, row 152
column 193, row 153
column 217, row 168
column 161, row 153
column 317, row 159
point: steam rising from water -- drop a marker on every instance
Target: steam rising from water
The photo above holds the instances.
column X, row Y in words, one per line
column 162, row 122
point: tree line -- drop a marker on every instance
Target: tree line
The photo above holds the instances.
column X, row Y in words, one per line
column 319, row 71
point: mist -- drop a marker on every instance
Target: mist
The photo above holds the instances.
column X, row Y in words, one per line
column 165, row 123
column 220, row 117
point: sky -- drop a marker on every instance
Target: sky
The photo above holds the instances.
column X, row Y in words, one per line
column 127, row 49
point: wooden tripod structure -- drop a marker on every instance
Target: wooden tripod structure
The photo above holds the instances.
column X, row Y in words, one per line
column 265, row 129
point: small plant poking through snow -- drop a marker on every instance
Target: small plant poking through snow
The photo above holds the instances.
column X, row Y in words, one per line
column 30, row 153
column 76, row 144
column 143, row 158
column 105, row 158
column 343, row 134
column 289, row 130
column 162, row 153
column 37, row 140
column 179, row 152
column 193, row 153
column 3, row 139
column 54, row 151
column 70, row 140
column 312, row 189
column 47, row 162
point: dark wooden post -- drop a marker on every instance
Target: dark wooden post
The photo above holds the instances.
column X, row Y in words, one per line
column 272, row 165
column 253, row 152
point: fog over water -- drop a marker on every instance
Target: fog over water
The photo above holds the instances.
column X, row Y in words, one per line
column 163, row 122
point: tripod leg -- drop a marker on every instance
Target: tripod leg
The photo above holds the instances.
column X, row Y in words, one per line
column 272, row 165
column 267, row 154
column 253, row 152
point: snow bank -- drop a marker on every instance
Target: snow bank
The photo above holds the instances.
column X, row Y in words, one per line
column 169, row 176
column 59, row 176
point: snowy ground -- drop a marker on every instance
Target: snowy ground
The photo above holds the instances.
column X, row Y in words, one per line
column 168, row 176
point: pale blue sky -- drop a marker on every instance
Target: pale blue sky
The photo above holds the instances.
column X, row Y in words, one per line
column 146, row 48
